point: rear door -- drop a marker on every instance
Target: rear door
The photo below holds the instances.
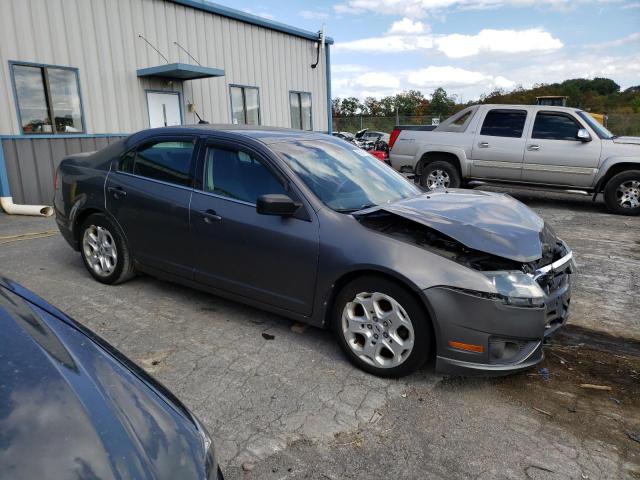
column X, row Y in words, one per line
column 498, row 148
column 270, row 259
column 148, row 191
column 554, row 154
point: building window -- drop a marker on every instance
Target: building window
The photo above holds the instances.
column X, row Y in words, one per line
column 245, row 106
column 300, row 104
column 48, row 99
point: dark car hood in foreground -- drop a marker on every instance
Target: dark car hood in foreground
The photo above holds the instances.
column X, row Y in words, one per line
column 489, row 222
column 69, row 409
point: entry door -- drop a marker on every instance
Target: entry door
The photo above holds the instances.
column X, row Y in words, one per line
column 148, row 192
column 267, row 258
column 164, row 109
column 498, row 148
column 555, row 155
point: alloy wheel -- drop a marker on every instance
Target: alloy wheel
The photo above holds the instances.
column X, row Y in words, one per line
column 438, row 179
column 378, row 330
column 628, row 194
column 100, row 250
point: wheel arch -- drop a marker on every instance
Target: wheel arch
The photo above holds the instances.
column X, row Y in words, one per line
column 394, row 277
column 434, row 155
column 611, row 168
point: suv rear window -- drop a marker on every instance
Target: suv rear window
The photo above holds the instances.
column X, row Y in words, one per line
column 504, row 123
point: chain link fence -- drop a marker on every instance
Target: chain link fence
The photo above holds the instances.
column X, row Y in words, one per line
column 619, row 123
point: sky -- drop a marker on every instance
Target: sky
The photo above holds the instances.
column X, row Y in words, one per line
column 468, row 47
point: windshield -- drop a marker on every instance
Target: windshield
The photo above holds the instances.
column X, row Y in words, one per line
column 599, row 129
column 342, row 176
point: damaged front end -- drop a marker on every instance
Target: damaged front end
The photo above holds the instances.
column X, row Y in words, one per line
column 497, row 331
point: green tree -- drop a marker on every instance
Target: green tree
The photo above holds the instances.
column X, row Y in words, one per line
column 441, row 104
column 351, row 106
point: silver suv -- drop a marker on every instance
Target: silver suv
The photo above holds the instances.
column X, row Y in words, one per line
column 535, row 146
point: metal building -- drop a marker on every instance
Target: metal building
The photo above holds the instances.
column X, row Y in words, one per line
column 76, row 74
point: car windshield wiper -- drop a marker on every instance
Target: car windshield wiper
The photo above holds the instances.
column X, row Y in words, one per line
column 351, row 210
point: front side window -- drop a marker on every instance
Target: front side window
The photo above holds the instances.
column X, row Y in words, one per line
column 238, row 175
column 167, row 161
column 245, row 106
column 48, row 99
column 555, row 126
column 300, row 104
column 504, row 123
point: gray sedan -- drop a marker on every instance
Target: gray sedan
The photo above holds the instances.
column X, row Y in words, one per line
column 311, row 227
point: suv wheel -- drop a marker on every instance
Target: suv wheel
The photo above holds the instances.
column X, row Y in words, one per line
column 104, row 250
column 622, row 193
column 440, row 174
column 381, row 327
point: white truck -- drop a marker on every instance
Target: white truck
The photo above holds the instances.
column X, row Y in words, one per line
column 545, row 147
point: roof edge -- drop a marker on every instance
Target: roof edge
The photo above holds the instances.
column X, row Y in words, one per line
column 234, row 14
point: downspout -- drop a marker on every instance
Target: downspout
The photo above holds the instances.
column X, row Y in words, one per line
column 329, row 103
column 6, row 201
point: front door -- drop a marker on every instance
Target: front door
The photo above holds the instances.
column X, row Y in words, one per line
column 498, row 148
column 164, row 109
column 555, row 155
column 148, row 193
column 270, row 259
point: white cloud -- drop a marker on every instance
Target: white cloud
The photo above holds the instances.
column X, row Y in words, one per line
column 423, row 8
column 451, row 77
column 268, row 16
column 631, row 5
column 497, row 41
column 457, row 45
column 378, row 80
column 407, row 26
column 313, row 15
column 633, row 38
column 347, row 68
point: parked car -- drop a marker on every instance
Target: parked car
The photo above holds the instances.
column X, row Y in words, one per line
column 72, row 406
column 528, row 145
column 348, row 136
column 368, row 139
column 315, row 229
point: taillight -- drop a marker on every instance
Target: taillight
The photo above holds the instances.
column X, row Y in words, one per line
column 393, row 137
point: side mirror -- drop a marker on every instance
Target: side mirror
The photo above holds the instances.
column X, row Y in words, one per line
column 583, row 135
column 276, row 204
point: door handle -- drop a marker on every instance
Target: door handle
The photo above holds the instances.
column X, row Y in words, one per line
column 533, row 147
column 117, row 192
column 211, row 216
column 483, row 145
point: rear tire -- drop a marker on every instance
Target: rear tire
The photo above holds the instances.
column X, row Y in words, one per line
column 394, row 340
column 622, row 193
column 104, row 250
column 440, row 174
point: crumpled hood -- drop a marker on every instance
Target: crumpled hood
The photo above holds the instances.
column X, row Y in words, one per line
column 489, row 222
column 71, row 410
column 627, row 140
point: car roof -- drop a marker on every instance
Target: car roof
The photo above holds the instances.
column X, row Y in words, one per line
column 266, row 135
column 539, row 107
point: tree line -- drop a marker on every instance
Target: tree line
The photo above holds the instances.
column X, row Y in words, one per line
column 598, row 95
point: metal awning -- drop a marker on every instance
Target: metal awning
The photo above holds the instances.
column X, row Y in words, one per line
column 180, row 71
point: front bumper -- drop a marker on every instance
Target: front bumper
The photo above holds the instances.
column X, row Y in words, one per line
column 506, row 338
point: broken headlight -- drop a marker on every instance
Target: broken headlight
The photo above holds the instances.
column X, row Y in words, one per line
column 517, row 289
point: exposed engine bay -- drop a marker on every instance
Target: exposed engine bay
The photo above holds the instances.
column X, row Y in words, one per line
column 430, row 239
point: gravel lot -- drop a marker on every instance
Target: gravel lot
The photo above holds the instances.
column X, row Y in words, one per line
column 292, row 407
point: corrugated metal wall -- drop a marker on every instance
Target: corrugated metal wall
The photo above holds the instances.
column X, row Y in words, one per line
column 100, row 37
column 31, row 163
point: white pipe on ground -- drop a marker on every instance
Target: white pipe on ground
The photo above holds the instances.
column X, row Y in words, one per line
column 13, row 209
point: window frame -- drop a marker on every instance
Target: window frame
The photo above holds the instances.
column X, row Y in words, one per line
column 556, row 114
column 504, row 110
column 244, row 102
column 299, row 94
column 160, row 139
column 47, row 94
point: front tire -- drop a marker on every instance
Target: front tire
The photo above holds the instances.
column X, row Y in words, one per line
column 381, row 327
column 440, row 174
column 104, row 250
column 622, row 193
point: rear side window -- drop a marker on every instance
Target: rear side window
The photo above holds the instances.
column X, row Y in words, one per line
column 555, row 126
column 238, row 175
column 167, row 161
column 458, row 122
column 504, row 123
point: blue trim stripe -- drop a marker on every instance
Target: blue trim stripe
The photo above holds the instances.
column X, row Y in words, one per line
column 4, row 176
column 180, row 71
column 206, row 6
